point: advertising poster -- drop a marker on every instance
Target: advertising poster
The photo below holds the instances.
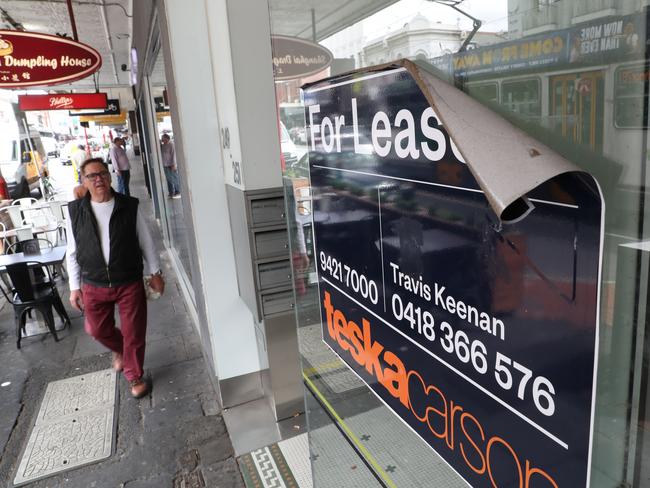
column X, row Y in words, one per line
column 480, row 335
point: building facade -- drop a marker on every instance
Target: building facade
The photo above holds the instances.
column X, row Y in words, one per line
column 571, row 74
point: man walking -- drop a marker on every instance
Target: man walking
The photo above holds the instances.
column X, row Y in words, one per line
column 107, row 241
column 169, row 163
column 121, row 165
column 77, row 159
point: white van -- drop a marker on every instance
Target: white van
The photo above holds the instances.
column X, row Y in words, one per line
column 22, row 161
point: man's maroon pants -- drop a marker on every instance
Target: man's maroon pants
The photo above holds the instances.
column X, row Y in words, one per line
column 129, row 339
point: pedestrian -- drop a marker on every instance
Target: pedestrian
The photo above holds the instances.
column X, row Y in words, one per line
column 121, row 165
column 169, row 164
column 108, row 239
column 77, row 159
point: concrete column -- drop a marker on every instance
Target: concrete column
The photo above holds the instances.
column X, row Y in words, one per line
column 186, row 39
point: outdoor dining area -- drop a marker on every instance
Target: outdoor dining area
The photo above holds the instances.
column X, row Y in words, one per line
column 33, row 248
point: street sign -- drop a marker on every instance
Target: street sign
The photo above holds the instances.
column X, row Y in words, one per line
column 62, row 101
column 479, row 332
column 33, row 59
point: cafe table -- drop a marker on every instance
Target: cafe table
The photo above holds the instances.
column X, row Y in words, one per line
column 47, row 257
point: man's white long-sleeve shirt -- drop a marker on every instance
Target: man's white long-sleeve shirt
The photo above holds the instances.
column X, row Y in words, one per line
column 119, row 158
column 102, row 212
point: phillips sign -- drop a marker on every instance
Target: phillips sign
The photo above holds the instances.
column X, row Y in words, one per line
column 63, row 101
column 32, row 59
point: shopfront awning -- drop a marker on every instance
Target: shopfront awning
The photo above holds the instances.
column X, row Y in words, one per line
column 294, row 17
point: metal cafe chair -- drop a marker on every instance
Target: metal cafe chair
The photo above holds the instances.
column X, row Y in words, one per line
column 26, row 293
column 4, row 241
column 30, row 246
column 24, row 233
column 24, row 202
column 59, row 214
column 15, row 215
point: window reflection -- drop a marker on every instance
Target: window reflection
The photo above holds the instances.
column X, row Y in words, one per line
column 572, row 74
column 170, row 166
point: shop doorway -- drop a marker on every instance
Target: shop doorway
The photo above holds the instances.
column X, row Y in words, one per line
column 576, row 110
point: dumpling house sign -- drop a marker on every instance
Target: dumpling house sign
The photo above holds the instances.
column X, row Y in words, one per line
column 33, row 59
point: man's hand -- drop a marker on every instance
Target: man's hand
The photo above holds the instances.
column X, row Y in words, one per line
column 157, row 283
column 77, row 300
column 174, row 168
column 117, row 172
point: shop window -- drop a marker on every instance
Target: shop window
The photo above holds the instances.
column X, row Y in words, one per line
column 522, row 97
column 630, row 96
column 485, row 92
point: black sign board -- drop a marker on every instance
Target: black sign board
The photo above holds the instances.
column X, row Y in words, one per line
column 160, row 104
column 480, row 335
column 112, row 108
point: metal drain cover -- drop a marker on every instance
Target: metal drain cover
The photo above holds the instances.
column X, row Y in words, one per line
column 74, row 426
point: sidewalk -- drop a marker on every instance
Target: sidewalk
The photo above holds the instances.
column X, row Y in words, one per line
column 174, row 438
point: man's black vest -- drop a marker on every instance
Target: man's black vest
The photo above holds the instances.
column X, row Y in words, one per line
column 125, row 263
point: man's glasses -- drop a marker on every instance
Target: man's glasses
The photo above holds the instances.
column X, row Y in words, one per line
column 94, row 176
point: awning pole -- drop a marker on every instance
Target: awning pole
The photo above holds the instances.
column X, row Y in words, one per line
column 72, row 21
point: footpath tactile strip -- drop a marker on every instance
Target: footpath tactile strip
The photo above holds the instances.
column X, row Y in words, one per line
column 75, row 426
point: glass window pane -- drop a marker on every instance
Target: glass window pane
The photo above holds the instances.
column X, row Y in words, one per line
column 570, row 73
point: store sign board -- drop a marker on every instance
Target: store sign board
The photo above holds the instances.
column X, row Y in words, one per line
column 528, row 53
column 480, row 335
column 111, row 107
column 63, row 101
column 119, row 119
column 295, row 58
column 609, row 39
column 33, row 59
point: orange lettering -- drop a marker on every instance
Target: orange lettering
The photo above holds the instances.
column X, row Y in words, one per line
column 395, row 380
column 488, row 451
column 466, row 415
column 530, row 472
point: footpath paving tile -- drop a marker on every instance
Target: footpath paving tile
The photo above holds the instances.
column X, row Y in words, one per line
column 77, row 395
column 163, row 352
column 179, row 380
column 223, row 475
column 74, row 426
column 171, row 413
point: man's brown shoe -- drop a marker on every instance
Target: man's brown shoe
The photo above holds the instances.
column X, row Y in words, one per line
column 139, row 388
column 118, row 362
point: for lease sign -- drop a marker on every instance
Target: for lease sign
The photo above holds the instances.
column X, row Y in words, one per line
column 480, row 335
